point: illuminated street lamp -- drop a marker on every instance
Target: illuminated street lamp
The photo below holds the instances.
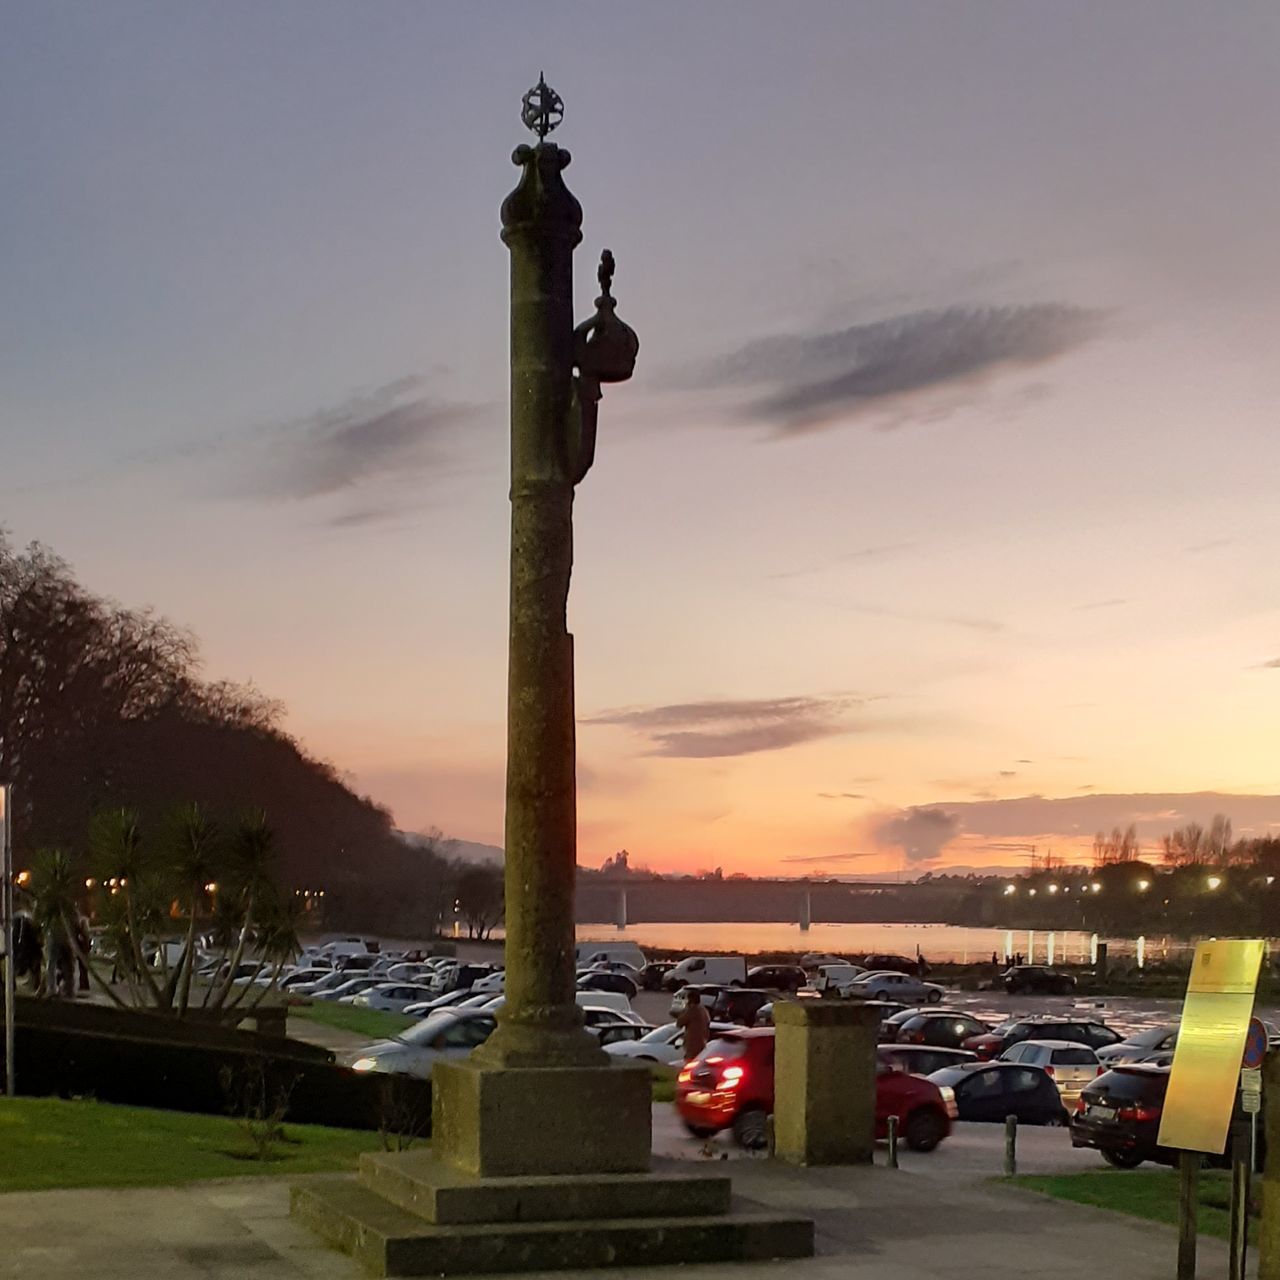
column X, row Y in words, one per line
column 1095, row 887
column 1144, row 885
column 1010, row 888
column 1032, row 892
column 1053, row 888
column 1214, row 882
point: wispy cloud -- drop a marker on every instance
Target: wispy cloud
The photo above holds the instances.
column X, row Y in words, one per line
column 704, row 730
column 892, row 368
column 1271, row 664
column 361, row 462
column 841, row 795
column 1112, row 603
column 863, row 555
column 821, row 859
column 988, row 625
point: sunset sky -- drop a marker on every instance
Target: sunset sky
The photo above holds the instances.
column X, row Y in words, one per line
column 940, row 518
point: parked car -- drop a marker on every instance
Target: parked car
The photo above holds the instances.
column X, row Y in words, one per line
column 991, row 1091
column 739, row 1005
column 449, row 1033
column 1037, row 979
column 496, row 981
column 450, row 1000
column 885, row 962
column 1119, row 1115
column 392, row 997
column 993, row 1043
column 887, row 985
column 924, row 1059
column 1069, row 1066
column 663, row 1044
column 729, row 1085
column 620, row 1032
column 1142, row 1046
column 302, row 977
column 602, row 980
column 353, row 965
column 589, row 954
column 892, row 1015
column 613, row 966
column 345, row 992
column 949, row 1029
column 707, row 993
column 777, row 977
column 837, row 977
column 654, row 974
column 721, row 970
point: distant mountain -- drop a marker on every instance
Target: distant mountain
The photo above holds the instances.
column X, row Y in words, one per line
column 468, row 851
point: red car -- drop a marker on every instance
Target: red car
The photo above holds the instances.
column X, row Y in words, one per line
column 730, row 1085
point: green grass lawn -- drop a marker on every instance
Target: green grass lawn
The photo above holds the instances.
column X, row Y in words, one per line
column 374, row 1023
column 47, row 1143
column 1151, row 1194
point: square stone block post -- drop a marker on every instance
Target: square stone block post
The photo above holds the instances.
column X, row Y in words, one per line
column 1269, row 1231
column 824, row 1109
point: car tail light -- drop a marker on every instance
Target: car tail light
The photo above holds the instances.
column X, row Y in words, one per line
column 685, row 1072
column 1100, row 1071
column 731, row 1078
column 1138, row 1113
column 1081, row 1105
column 914, row 1037
column 1049, row 1071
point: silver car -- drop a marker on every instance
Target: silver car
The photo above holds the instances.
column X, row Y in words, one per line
column 888, row 985
column 449, row 1033
column 1070, row 1066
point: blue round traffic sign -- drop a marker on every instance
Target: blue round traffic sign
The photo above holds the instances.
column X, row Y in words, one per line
column 1255, row 1044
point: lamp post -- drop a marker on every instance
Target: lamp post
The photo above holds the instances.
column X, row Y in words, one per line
column 7, row 924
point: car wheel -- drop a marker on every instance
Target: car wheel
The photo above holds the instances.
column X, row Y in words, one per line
column 699, row 1130
column 1122, row 1159
column 751, row 1129
column 935, row 996
column 924, row 1129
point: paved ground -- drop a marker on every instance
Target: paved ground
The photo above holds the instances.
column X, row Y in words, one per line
column 937, row 1218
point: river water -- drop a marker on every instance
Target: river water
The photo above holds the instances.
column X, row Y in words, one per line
column 934, row 941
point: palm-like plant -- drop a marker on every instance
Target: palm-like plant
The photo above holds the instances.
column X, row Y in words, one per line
column 248, row 874
column 280, row 918
column 115, row 841
column 194, row 854
column 55, row 890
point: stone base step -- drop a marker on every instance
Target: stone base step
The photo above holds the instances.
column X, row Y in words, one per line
column 390, row 1241
column 442, row 1194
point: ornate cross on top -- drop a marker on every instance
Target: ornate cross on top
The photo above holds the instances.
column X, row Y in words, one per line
column 542, row 108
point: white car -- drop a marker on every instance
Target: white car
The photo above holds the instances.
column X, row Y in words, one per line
column 450, row 1000
column 392, row 997
column 346, row 992
column 837, row 977
column 449, row 1033
column 887, row 985
column 663, row 1044
column 494, row 982
column 1070, row 1066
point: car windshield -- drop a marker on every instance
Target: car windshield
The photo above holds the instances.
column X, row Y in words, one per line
column 950, row 1076
column 1074, row 1057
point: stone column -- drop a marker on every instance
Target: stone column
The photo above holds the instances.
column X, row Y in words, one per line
column 541, row 1024
column 824, row 1108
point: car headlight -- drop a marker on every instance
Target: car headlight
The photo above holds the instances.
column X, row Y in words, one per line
column 365, row 1064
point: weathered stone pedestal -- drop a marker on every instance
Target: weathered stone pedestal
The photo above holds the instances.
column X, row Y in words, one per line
column 536, row 1169
column 825, row 1092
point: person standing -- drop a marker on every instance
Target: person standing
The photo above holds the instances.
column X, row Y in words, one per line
column 695, row 1021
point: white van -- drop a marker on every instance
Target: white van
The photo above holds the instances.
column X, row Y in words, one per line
column 718, row 970
column 593, row 953
column 347, row 948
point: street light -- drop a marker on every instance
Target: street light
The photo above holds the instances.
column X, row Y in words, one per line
column 1144, row 885
column 1010, row 888
column 1053, row 888
column 1095, row 887
column 1214, row 882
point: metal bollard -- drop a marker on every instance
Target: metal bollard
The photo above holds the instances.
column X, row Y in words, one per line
column 893, row 1142
column 1010, row 1146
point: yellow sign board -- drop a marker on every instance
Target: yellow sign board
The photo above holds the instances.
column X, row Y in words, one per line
column 1206, row 1064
